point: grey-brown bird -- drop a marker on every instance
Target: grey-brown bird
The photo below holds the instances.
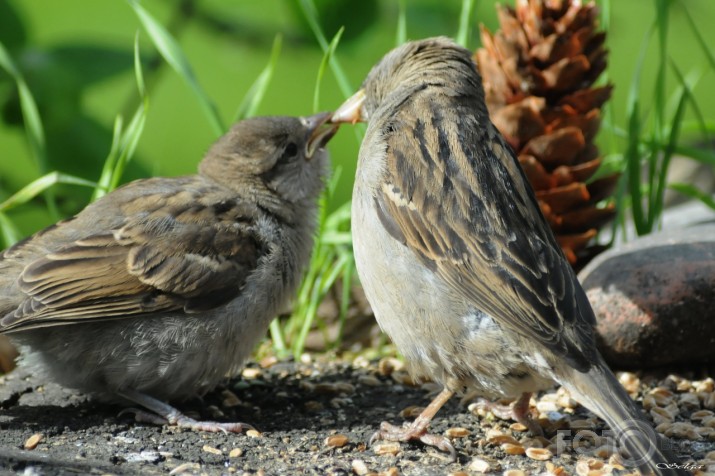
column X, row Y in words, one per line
column 457, row 261
column 163, row 287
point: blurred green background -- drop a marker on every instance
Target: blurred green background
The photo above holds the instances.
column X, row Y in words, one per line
column 77, row 58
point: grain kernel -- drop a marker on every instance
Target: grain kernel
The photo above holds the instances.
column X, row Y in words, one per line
column 235, row 453
column 539, row 454
column 387, row 448
column 513, row 449
column 479, row 465
column 212, row 450
column 32, row 442
column 457, row 432
column 359, row 467
column 336, row 441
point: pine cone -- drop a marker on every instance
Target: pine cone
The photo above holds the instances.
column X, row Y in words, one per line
column 538, row 71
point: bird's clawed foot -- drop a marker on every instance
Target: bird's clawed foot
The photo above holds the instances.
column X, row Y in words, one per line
column 417, row 430
column 517, row 411
column 411, row 432
column 161, row 413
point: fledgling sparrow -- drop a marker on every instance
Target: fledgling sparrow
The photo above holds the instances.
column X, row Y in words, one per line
column 457, row 261
column 163, row 287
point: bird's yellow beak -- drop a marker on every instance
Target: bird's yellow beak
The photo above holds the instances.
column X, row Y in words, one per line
column 351, row 111
column 320, row 132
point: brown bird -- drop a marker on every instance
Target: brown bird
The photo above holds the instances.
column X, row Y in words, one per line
column 457, row 261
column 163, row 287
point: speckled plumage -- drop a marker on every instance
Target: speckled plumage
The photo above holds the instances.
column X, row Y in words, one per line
column 458, row 263
column 165, row 286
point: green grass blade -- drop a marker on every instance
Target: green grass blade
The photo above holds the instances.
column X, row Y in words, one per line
column 105, row 178
column 704, row 45
column 279, row 343
column 32, row 122
column 40, row 185
column 401, row 31
column 605, row 17
column 323, row 66
column 667, row 153
column 693, row 192
column 465, row 22
column 311, row 15
column 254, row 97
column 169, row 48
column 124, row 143
column 704, row 156
column 632, row 152
column 30, row 113
column 8, row 231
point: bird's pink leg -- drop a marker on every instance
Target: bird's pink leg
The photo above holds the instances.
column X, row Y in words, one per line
column 164, row 414
column 417, row 430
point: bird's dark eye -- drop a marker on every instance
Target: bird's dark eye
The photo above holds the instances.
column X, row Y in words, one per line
column 291, row 150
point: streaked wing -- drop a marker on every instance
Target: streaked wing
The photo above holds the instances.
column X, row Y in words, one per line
column 172, row 252
column 477, row 226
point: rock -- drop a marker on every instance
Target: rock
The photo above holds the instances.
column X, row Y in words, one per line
column 654, row 299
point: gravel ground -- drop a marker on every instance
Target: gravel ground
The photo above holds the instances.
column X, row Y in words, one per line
column 315, row 417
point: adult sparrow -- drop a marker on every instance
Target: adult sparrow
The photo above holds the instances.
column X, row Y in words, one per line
column 457, row 261
column 163, row 287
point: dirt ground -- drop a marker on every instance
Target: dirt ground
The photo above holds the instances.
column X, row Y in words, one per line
column 314, row 418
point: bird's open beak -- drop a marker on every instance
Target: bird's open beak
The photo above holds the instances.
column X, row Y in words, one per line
column 351, row 110
column 320, row 132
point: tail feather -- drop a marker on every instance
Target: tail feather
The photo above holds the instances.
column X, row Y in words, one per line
column 599, row 391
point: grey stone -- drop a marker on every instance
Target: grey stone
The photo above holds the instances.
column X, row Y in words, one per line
column 654, row 299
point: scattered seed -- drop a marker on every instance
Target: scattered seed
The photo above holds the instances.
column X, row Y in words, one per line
column 369, row 381
column 251, row 373
column 551, row 468
column 479, row 465
column 457, row 432
column 235, row 453
column 32, row 442
column 412, row 411
column 268, row 362
column 513, row 472
column 707, row 385
column 701, row 415
column 387, row 448
column 513, row 449
column 689, row 401
column 212, row 450
column 359, row 467
column 336, row 441
column 185, row 468
column 387, row 365
column 539, row 454
column 253, row 434
column 392, row 471
column 682, row 430
column 458, row 473
column 660, row 415
column 518, row 427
